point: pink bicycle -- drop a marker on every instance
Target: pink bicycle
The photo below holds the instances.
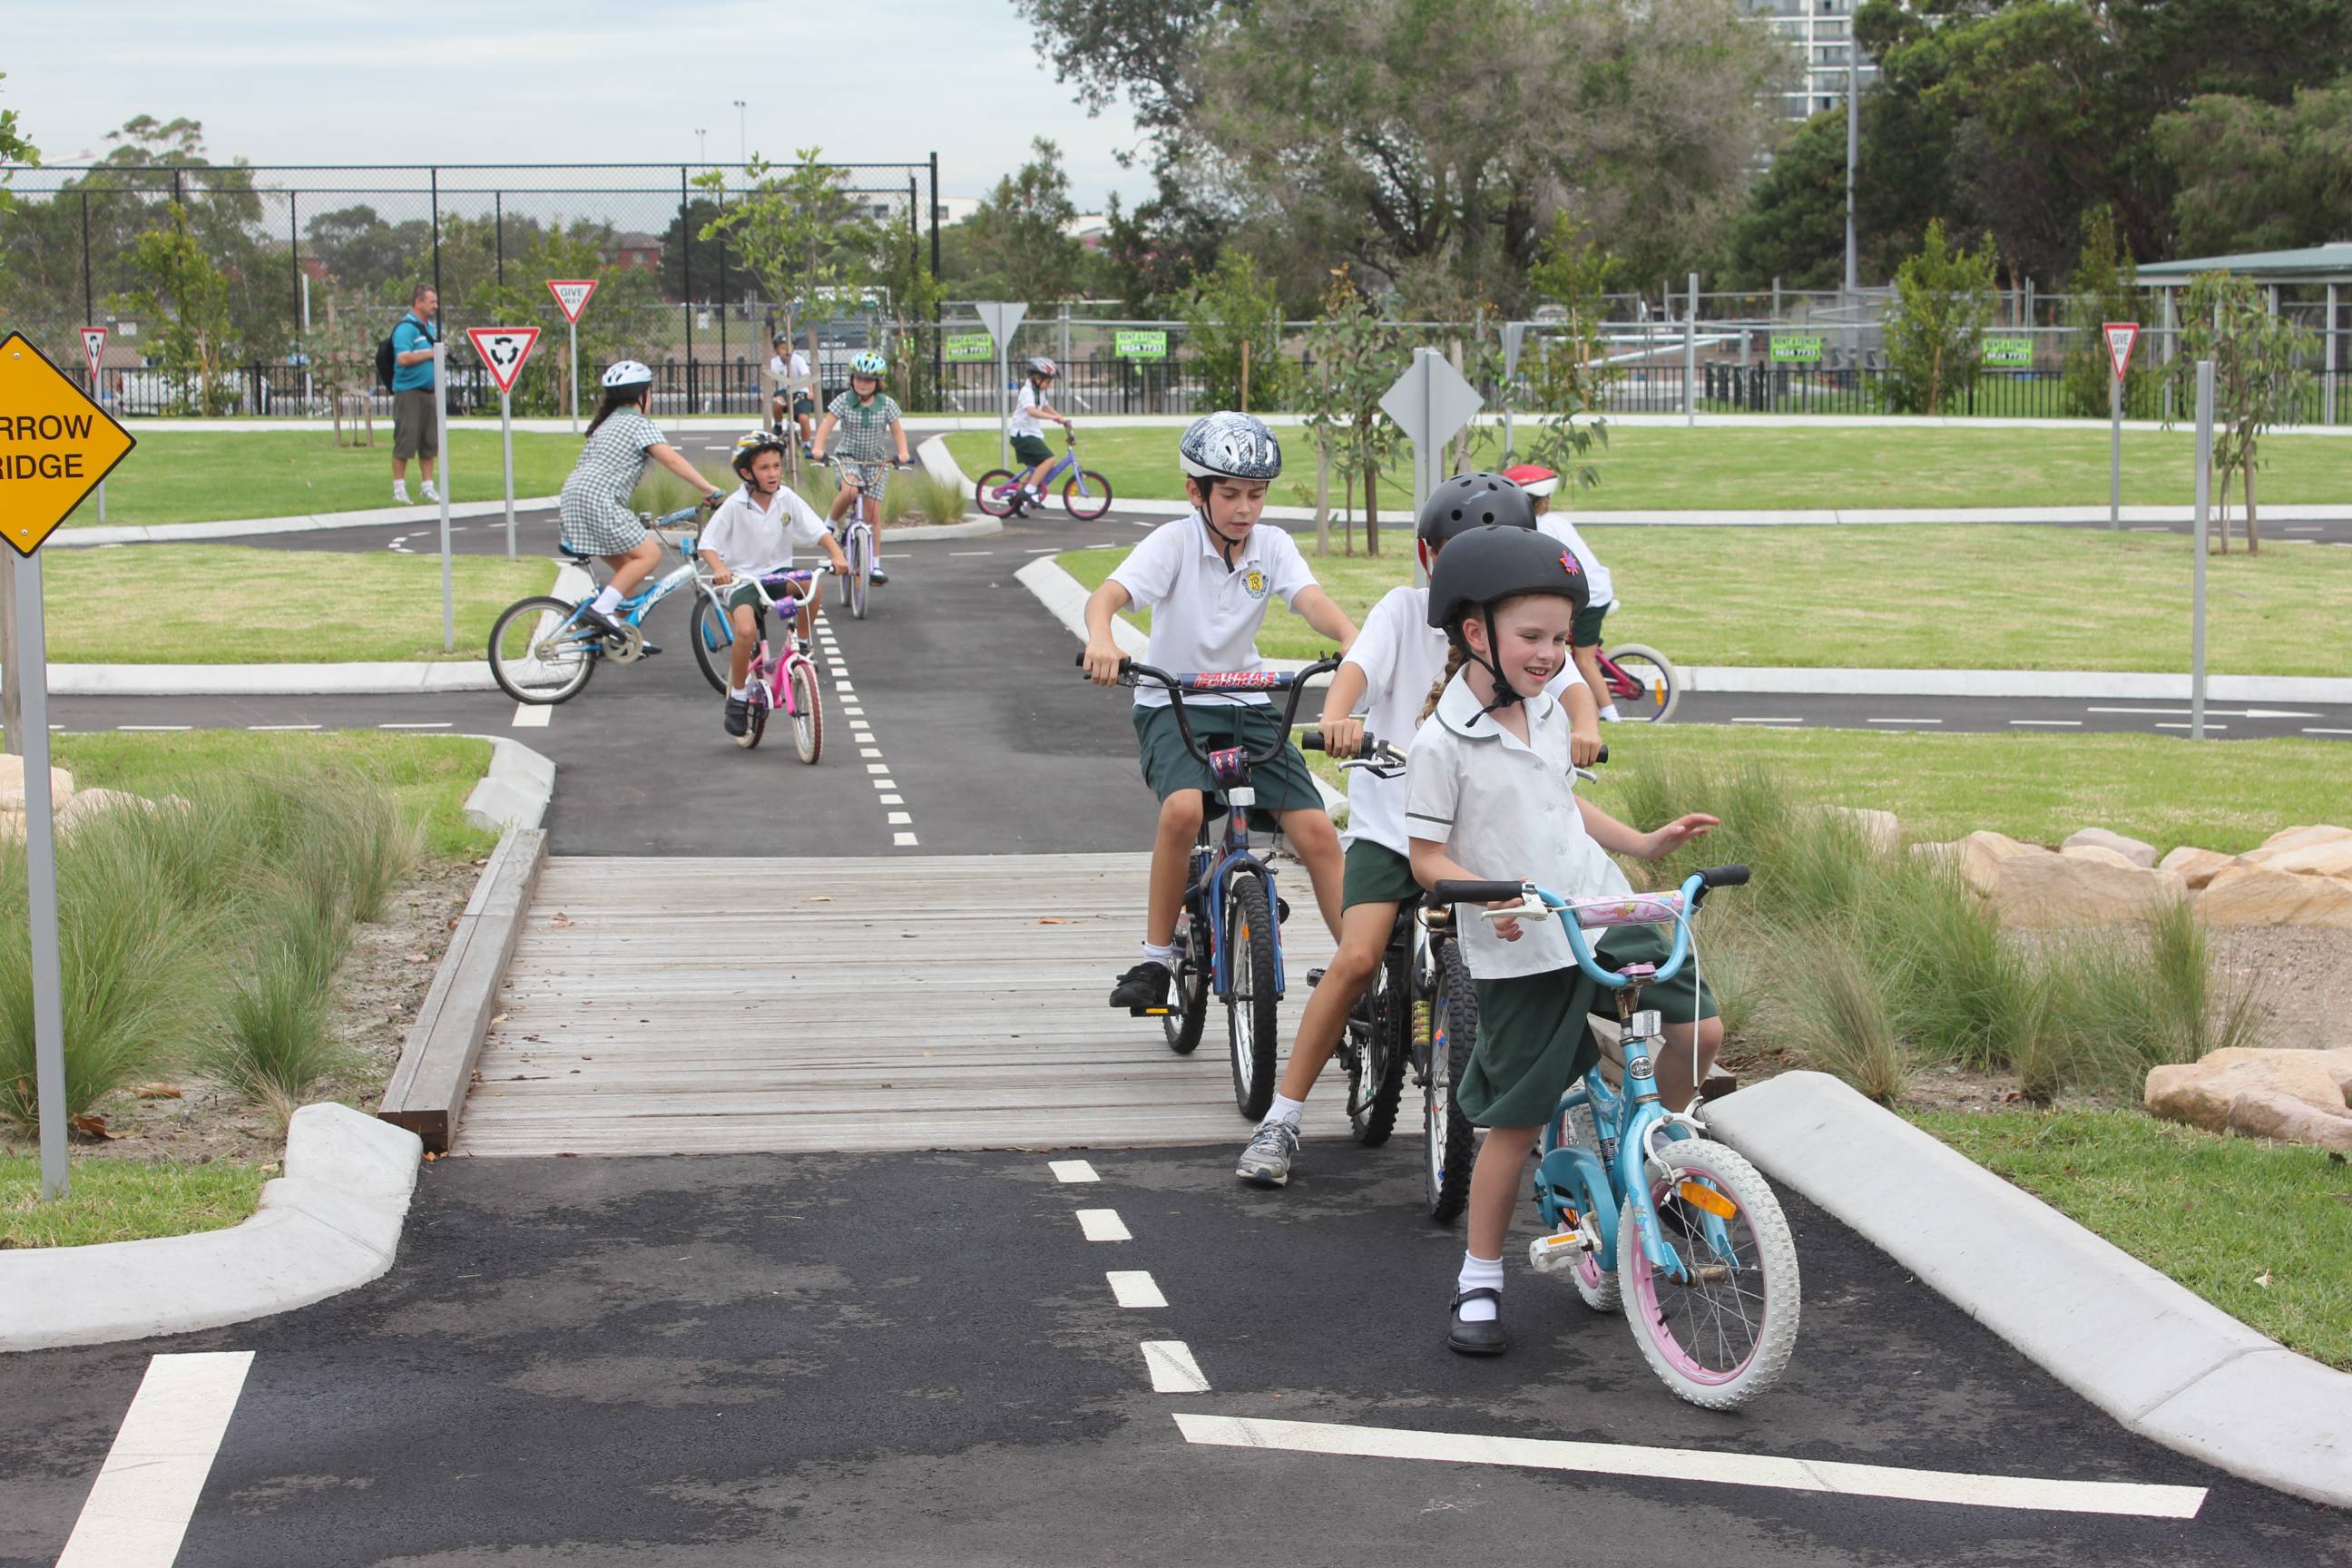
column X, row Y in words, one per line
column 782, row 676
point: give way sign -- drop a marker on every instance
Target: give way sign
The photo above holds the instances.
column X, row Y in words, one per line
column 2121, row 336
column 503, row 351
column 572, row 295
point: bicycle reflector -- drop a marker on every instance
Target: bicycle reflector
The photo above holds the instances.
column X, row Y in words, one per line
column 1700, row 1196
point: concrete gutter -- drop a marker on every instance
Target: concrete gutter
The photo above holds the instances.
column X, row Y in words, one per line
column 2162, row 1361
column 241, row 528
column 516, row 791
column 269, row 680
column 331, row 1223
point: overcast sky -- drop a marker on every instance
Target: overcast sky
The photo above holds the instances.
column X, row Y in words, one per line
column 418, row 81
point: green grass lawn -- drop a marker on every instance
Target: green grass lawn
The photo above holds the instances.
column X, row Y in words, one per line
column 124, row 1200
column 429, row 775
column 220, row 604
column 1966, row 598
column 2262, row 1230
column 1648, row 467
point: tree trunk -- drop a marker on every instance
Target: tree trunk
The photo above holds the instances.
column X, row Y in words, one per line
column 1322, row 497
column 1371, row 509
column 2253, row 528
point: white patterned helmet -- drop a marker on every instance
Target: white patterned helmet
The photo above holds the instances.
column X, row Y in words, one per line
column 1230, row 446
column 629, row 373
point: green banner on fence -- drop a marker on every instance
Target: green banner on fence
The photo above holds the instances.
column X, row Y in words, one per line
column 2017, row 353
column 1141, row 346
column 969, row 345
column 1796, row 348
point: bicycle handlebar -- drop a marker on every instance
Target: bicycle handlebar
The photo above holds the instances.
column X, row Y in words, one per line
column 1536, row 902
column 1131, row 673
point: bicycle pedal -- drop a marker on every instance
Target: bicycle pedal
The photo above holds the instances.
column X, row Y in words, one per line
column 1314, row 977
column 1559, row 1250
column 1150, row 1012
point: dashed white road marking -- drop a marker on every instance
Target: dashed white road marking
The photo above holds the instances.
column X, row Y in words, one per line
column 1173, row 1368
column 146, row 1491
column 886, row 783
column 1049, row 550
column 893, row 800
column 1767, row 721
column 900, row 818
column 2137, row 1499
column 1103, row 1225
column 1134, row 1288
column 154, row 729
column 2311, row 732
column 435, row 725
column 1903, row 720
column 877, row 767
column 268, row 727
column 903, row 840
column 2049, row 723
column 952, row 555
column 1072, row 1171
column 534, row 715
column 2179, row 726
column 870, row 751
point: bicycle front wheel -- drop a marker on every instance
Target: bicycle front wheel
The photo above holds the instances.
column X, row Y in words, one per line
column 1376, row 1076
column 1088, row 496
column 1451, row 1141
column 861, row 568
column 714, row 643
column 1650, row 689
column 538, row 655
column 1723, row 1332
column 992, row 492
column 1251, row 1027
column 808, row 712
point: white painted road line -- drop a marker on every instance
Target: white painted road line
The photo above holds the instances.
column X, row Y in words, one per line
column 1767, row 721
column 902, row 840
column 1173, row 1368
column 2134, row 1498
column 954, row 555
column 1903, row 720
column 439, row 724
column 1072, row 1171
column 2049, row 723
column 893, row 800
column 534, row 715
column 877, row 767
column 154, row 729
column 870, row 751
column 1103, row 1225
column 146, row 1492
column 2215, row 712
column 899, row 818
column 1133, row 1288
column 2310, row 732
column 2177, row 726
column 264, row 728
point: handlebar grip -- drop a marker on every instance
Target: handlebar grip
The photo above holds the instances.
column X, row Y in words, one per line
column 1124, row 665
column 1476, row 892
column 1312, row 741
column 1724, row 877
column 1603, row 756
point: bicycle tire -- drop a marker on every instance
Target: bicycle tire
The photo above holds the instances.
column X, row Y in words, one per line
column 1189, row 989
column 808, row 723
column 861, row 568
column 755, row 713
column 715, row 660
column 1690, row 1357
column 521, row 674
column 1251, row 1026
column 1596, row 1278
column 985, row 496
column 1376, row 1073
column 1452, row 1141
column 1661, row 687
column 1085, row 508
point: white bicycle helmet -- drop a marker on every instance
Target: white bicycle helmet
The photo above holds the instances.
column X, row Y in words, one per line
column 1230, row 446
column 870, row 364
column 627, row 372
column 1038, row 364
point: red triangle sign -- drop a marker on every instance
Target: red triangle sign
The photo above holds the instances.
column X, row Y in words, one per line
column 572, row 295
column 93, row 348
column 2121, row 336
column 502, row 350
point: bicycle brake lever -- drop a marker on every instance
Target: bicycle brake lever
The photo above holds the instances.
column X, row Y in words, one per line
column 1534, row 908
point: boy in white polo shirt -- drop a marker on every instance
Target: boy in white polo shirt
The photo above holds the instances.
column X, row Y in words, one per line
column 1207, row 579
column 751, row 535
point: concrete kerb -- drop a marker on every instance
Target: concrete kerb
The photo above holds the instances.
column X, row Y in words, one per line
column 331, row 1223
column 516, row 791
column 2161, row 1361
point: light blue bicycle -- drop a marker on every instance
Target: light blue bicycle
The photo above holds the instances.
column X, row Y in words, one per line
column 1639, row 1202
column 541, row 652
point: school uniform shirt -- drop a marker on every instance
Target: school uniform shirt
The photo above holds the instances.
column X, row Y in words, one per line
column 1506, row 811
column 790, row 375
column 1204, row 618
column 754, row 541
column 1596, row 575
column 862, row 430
column 1025, row 420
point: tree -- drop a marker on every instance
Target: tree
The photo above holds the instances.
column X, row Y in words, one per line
column 1943, row 298
column 2260, row 176
column 626, row 321
column 1142, row 51
column 808, row 241
column 1233, row 307
column 1358, row 356
column 690, row 270
column 182, row 288
column 1793, row 227
column 1154, row 253
column 2258, row 379
column 1566, row 368
column 13, row 149
column 2102, row 289
column 1018, row 242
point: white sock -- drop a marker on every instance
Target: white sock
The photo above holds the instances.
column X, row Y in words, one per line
column 608, row 599
column 399, row 490
column 735, row 694
column 430, row 493
column 1286, row 1109
column 1479, row 1273
column 1165, row 957
column 1610, row 714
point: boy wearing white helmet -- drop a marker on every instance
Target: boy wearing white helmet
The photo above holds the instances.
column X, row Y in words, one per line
column 751, row 535
column 1027, row 429
column 1207, row 579
column 594, row 509
column 867, row 421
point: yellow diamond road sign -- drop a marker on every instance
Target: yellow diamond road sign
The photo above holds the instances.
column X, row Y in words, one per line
column 55, row 445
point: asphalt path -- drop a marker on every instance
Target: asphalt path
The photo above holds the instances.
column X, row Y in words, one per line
column 919, row 1359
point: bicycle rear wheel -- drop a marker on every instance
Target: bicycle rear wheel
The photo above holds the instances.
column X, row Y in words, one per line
column 714, row 643
column 1722, row 1335
column 538, row 655
column 1452, row 1141
column 808, row 718
column 989, row 494
column 1647, row 671
column 1376, row 1073
column 1093, row 503
column 1250, row 1028
column 1598, row 1282
column 755, row 703
column 1189, row 995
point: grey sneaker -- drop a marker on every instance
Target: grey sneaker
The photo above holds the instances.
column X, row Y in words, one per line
column 1266, row 1160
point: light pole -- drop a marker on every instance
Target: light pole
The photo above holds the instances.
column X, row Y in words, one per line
column 1853, row 155
column 743, row 137
column 702, row 146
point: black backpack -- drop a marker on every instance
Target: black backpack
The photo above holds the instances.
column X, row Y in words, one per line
column 386, row 360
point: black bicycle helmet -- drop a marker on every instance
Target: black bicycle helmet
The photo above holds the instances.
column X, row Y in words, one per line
column 1485, row 565
column 1473, row 500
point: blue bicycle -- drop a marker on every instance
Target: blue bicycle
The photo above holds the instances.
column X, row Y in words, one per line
column 1229, row 930
column 541, row 652
column 1637, row 1198
column 1085, row 494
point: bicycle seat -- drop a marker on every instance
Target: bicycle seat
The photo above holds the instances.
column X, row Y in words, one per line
column 571, row 552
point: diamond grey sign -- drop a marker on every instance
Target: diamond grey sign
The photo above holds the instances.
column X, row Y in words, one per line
column 1430, row 402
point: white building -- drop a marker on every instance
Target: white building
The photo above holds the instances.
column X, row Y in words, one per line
column 1820, row 32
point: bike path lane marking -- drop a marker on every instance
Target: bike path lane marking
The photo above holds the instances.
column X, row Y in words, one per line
column 146, row 1491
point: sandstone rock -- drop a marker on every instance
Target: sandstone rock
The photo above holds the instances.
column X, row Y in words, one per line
column 2316, row 833
column 2263, row 896
column 1979, row 857
column 2316, row 851
column 12, row 784
column 2258, row 1114
column 2102, row 855
column 2131, row 849
column 2296, row 1096
column 92, row 803
column 1879, row 829
column 2046, row 892
column 2197, row 867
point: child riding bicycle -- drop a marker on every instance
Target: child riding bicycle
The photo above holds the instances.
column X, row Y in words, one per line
column 867, row 420
column 1490, row 795
column 1395, row 659
column 751, row 537
column 1207, row 579
column 594, row 507
column 1584, row 638
column 1029, row 409
column 789, row 369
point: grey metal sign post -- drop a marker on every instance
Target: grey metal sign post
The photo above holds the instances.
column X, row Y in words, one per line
column 1690, row 356
column 41, row 878
column 1515, row 334
column 2204, row 505
column 441, row 440
column 1001, row 318
column 2118, row 337
column 1430, row 403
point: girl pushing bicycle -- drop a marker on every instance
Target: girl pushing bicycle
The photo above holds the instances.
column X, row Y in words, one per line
column 594, row 507
column 751, row 537
column 867, row 419
column 1489, row 796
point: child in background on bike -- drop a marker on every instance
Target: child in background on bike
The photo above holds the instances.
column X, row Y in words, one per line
column 1490, row 795
column 752, row 536
column 789, row 368
column 1207, row 579
column 867, row 420
column 1388, row 672
column 1584, row 638
column 594, row 507
column 1029, row 409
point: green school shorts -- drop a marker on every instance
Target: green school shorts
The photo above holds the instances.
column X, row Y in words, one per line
column 1282, row 784
column 1533, row 1041
column 1584, row 631
column 1032, row 450
column 1377, row 874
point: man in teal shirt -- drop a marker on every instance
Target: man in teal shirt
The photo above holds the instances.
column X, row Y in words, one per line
column 415, row 431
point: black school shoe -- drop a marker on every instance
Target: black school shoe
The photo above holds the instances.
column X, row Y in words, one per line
column 1145, row 985
column 738, row 716
column 1476, row 1339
